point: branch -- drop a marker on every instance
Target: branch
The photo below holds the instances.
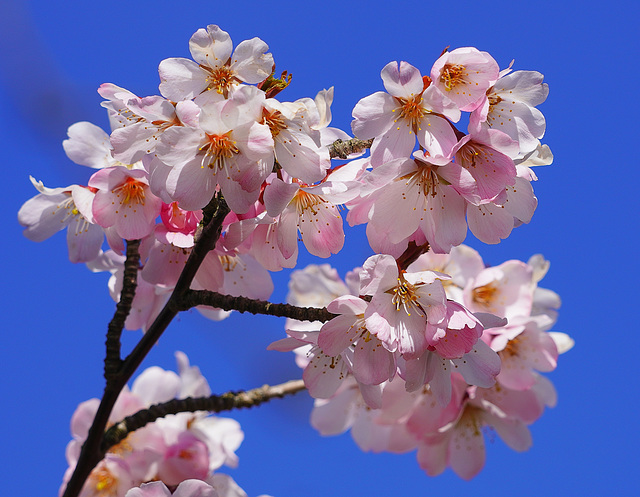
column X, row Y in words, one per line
column 193, row 298
column 215, row 403
column 342, row 149
column 91, row 453
column 112, row 360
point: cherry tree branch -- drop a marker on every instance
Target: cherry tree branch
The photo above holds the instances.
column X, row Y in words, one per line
column 215, row 403
column 342, row 149
column 91, row 453
column 193, row 298
column 112, row 360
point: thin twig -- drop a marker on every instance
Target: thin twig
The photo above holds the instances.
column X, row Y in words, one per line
column 215, row 403
column 193, row 298
column 342, row 149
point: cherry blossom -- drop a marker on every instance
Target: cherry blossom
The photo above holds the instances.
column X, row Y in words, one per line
column 54, row 209
column 421, row 347
column 230, row 148
column 464, row 75
column 215, row 67
column 123, row 200
column 510, row 106
column 411, row 109
column 402, row 304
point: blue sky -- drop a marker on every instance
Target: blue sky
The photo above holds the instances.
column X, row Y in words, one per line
column 53, row 56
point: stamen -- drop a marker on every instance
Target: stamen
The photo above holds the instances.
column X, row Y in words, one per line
column 105, row 482
column 405, row 297
column 220, row 78
column 275, row 121
column 412, row 110
column 228, row 263
column 304, row 201
column 485, row 295
column 512, row 347
column 453, row 75
column 133, row 191
column 217, row 149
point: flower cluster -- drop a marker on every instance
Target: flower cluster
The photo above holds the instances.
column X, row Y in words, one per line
column 171, row 450
column 427, row 345
column 484, row 174
column 429, row 359
column 218, row 128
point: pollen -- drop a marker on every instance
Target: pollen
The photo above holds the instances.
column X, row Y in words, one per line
column 220, row 78
column 275, row 121
column 228, row 263
column 412, row 110
column 453, row 75
column 106, row 484
column 512, row 347
column 405, row 296
column 304, row 201
column 485, row 295
column 218, row 148
column 472, row 155
column 130, row 192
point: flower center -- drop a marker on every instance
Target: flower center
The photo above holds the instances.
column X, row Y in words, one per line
column 512, row 347
column 304, row 201
column 425, row 178
column 453, row 75
column 218, row 148
column 493, row 100
column 105, row 482
column 412, row 111
column 220, row 78
column 275, row 121
column 131, row 191
column 470, row 420
column 228, row 263
column 405, row 296
column 474, row 154
column 485, row 295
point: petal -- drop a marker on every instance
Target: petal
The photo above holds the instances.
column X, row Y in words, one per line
column 402, row 79
column 181, row 79
column 211, row 47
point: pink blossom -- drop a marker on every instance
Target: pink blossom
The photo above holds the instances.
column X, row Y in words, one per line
column 230, row 149
column 215, row 67
column 410, row 195
column 464, row 75
column 143, row 120
column 411, row 109
column 187, row 458
column 54, row 209
column 492, row 170
column 372, row 363
column 510, row 106
column 461, row 443
column 505, row 290
column 310, row 210
column 523, row 347
column 295, row 149
column 401, row 304
column 124, row 201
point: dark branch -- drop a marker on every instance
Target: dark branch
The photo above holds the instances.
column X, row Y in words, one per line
column 193, row 298
column 214, row 403
column 91, row 453
column 112, row 360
